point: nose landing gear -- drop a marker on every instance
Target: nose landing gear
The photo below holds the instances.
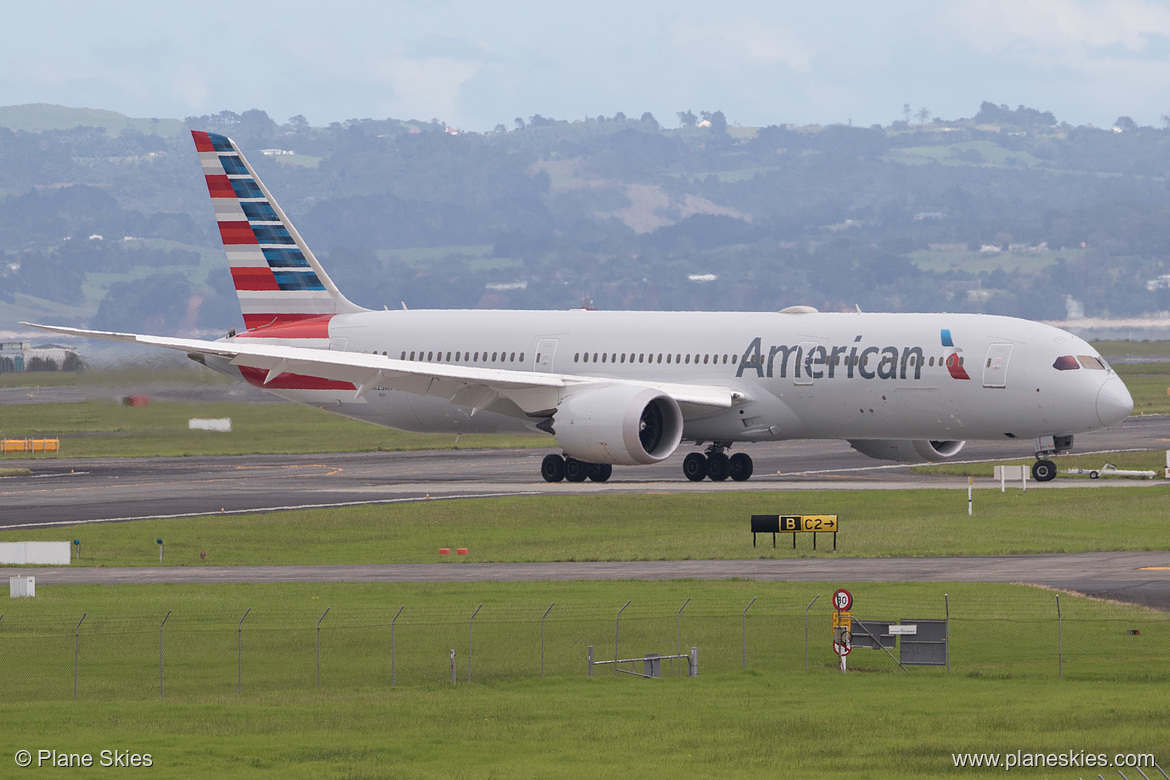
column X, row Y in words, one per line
column 1044, row 470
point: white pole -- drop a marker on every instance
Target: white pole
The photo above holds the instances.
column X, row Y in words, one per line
column 1002, row 480
column 969, row 481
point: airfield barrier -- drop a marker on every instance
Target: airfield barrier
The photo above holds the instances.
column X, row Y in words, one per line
column 189, row 653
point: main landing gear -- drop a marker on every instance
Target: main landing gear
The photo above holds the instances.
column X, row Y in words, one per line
column 555, row 468
column 716, row 464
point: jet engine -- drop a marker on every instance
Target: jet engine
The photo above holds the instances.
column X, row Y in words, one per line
column 624, row 425
column 925, row 451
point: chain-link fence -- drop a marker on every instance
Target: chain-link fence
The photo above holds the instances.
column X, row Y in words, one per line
column 188, row 653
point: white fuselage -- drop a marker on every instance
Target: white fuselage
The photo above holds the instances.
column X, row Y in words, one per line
column 800, row 375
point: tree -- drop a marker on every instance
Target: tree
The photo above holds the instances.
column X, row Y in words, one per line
column 717, row 120
column 923, row 115
column 906, row 112
column 649, row 120
column 1125, row 124
column 687, row 118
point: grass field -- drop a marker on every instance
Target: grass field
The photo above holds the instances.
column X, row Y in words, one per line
column 92, row 429
column 642, row 527
column 746, row 724
column 773, row 719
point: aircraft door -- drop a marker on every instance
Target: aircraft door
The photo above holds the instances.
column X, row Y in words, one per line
column 996, row 365
column 545, row 349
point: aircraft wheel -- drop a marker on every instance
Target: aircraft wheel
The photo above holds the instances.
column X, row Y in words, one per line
column 552, row 468
column 740, row 466
column 718, row 466
column 695, row 466
column 576, row 470
column 1043, row 471
column 600, row 472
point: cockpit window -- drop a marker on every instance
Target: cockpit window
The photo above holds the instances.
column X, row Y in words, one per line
column 1089, row 361
column 1066, row 363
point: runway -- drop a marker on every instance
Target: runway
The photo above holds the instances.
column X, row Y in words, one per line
column 66, row 492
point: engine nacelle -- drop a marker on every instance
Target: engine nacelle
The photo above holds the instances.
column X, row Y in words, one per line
column 624, row 425
column 907, row 451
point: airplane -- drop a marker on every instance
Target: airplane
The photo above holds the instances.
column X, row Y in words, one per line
column 628, row 387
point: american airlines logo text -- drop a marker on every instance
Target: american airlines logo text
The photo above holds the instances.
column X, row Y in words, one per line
column 816, row 361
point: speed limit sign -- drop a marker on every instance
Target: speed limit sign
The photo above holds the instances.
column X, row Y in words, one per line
column 842, row 599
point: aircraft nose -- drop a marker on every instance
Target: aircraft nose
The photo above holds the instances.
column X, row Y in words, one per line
column 1114, row 402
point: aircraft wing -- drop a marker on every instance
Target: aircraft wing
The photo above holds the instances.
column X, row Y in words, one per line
column 533, row 392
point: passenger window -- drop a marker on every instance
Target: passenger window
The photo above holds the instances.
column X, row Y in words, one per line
column 706, row 359
column 521, row 357
column 688, row 360
column 495, row 356
column 641, row 357
column 430, row 356
column 576, row 357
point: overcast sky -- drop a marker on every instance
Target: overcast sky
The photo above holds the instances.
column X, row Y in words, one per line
column 476, row 63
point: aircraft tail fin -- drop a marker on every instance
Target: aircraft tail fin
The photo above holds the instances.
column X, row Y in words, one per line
column 277, row 278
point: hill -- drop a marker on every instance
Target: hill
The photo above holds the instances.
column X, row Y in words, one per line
column 39, row 117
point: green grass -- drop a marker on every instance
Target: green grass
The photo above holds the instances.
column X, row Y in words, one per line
column 641, row 527
column 992, row 153
column 773, row 719
column 747, row 724
column 92, row 429
column 1135, row 348
column 1142, row 460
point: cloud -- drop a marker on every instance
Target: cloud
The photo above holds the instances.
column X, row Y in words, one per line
column 1067, row 32
column 746, row 39
column 429, row 86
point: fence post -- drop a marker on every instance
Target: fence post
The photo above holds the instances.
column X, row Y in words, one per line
column 77, row 651
column 160, row 654
column 745, row 609
column 542, row 617
column 693, row 662
column 678, row 633
column 590, row 660
column 240, row 655
column 1059, row 641
column 806, row 609
column 947, row 631
column 471, row 640
column 323, row 614
column 452, row 667
column 616, row 633
column 393, row 670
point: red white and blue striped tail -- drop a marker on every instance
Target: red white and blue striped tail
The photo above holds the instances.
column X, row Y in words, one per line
column 277, row 278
